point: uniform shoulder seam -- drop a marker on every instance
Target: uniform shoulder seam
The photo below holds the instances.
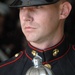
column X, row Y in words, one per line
column 17, row 58
column 73, row 46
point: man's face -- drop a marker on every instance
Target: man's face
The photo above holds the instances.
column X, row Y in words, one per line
column 39, row 23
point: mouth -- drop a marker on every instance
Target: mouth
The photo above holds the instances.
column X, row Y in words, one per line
column 29, row 28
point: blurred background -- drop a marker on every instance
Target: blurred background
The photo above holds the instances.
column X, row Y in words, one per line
column 11, row 36
column 12, row 39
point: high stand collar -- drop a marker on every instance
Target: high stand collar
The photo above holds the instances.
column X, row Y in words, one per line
column 50, row 54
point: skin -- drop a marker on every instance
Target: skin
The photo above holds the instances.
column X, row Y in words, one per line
column 43, row 26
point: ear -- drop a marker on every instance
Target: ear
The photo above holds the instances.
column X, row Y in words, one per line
column 65, row 9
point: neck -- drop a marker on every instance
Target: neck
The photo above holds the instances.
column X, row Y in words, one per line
column 47, row 43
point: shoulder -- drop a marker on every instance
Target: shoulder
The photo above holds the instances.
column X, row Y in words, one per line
column 72, row 51
column 71, row 54
column 12, row 60
column 73, row 47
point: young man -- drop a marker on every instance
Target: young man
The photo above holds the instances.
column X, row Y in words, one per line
column 42, row 22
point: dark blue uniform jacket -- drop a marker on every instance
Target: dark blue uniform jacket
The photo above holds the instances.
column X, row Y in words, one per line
column 63, row 63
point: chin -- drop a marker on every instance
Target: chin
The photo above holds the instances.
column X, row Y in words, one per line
column 31, row 39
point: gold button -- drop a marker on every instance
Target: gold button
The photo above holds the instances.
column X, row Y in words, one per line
column 34, row 53
column 16, row 55
column 55, row 52
column 48, row 66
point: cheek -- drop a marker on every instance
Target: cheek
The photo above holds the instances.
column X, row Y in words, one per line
column 21, row 17
column 41, row 18
column 48, row 21
column 43, row 21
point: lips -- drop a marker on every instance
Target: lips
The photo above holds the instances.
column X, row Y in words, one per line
column 29, row 28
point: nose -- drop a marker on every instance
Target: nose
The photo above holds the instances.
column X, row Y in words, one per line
column 27, row 14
